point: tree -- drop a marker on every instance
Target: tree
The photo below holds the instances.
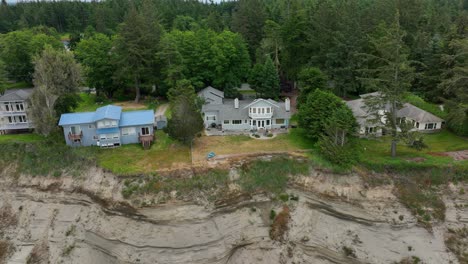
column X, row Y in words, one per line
column 391, row 75
column 309, row 79
column 337, row 142
column 135, row 47
column 313, row 116
column 454, row 85
column 186, row 120
column 57, row 77
column 265, row 80
column 3, row 77
column 95, row 53
column 248, row 19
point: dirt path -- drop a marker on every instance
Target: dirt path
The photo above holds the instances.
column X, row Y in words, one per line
column 161, row 110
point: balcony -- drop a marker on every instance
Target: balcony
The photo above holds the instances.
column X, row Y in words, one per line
column 75, row 137
column 261, row 116
column 13, row 126
column 145, row 140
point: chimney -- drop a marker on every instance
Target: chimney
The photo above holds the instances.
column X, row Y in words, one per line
column 236, row 103
column 287, row 104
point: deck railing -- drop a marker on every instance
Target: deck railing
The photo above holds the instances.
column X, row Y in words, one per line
column 73, row 137
column 145, row 140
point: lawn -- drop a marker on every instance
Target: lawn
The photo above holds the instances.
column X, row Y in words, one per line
column 377, row 151
column 132, row 159
column 20, row 138
column 242, row 144
column 88, row 104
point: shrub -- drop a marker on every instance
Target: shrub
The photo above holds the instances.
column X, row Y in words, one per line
column 344, row 156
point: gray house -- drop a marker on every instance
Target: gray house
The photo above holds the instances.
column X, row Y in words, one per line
column 243, row 115
column 108, row 127
column 13, row 106
column 421, row 120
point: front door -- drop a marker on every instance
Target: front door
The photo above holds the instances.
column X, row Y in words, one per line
column 261, row 123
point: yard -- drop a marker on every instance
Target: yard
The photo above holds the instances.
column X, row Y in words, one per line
column 20, row 138
column 377, row 151
column 242, row 144
column 132, row 159
column 88, row 104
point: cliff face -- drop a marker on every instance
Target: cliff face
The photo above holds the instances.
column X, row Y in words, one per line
column 334, row 220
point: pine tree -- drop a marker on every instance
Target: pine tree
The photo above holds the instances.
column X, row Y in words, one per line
column 186, row 120
column 391, row 75
column 270, row 84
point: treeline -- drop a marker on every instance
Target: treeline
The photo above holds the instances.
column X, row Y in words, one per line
column 149, row 44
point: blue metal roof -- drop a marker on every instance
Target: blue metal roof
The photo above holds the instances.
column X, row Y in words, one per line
column 136, row 118
column 76, row 118
column 108, row 130
column 108, row 112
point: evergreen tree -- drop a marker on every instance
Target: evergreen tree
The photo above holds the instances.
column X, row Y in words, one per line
column 313, row 116
column 265, row 81
column 3, row 78
column 186, row 120
column 391, row 76
column 135, row 46
column 309, row 79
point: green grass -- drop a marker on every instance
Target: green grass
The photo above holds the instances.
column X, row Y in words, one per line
column 88, row 103
column 249, row 92
column 131, row 159
column 18, row 85
column 271, row 176
column 376, row 152
column 419, row 102
column 20, row 138
column 297, row 137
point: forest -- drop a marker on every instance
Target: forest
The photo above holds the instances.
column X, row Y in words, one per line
column 146, row 46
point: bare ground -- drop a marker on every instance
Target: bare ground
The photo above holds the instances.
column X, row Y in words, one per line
column 336, row 220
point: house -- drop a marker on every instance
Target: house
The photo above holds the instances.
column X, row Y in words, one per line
column 243, row 115
column 421, row 120
column 13, row 115
column 108, row 126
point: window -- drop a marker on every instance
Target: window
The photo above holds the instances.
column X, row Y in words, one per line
column 417, row 124
column 107, row 123
column 128, row 131
column 145, row 131
column 430, row 126
column 75, row 130
column 22, row 119
column 268, row 122
column 226, row 122
column 7, row 107
column 19, row 107
column 115, row 135
column 10, row 120
column 279, row 121
column 263, row 110
column 210, row 117
column 268, row 110
column 95, row 137
column 370, row 130
column 102, row 136
column 254, row 122
column 114, row 123
column 236, row 122
column 254, row 110
column 246, row 121
column 90, row 126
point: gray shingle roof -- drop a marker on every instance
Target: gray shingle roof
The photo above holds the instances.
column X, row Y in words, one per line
column 417, row 114
column 409, row 111
column 16, row 95
column 211, row 94
column 228, row 112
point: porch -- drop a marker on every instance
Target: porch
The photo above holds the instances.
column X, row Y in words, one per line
column 145, row 140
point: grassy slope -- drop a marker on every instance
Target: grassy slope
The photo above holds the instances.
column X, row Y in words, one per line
column 20, row 138
column 431, row 108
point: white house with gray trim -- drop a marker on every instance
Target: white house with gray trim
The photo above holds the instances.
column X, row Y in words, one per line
column 243, row 115
column 13, row 110
column 421, row 120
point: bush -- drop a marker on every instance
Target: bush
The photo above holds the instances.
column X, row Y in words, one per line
column 344, row 156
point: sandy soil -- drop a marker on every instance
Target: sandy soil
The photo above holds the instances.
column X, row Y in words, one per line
column 85, row 220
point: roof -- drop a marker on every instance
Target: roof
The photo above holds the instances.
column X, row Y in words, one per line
column 16, row 95
column 370, row 95
column 108, row 112
column 211, row 95
column 109, row 130
column 76, row 118
column 135, row 118
column 417, row 114
column 359, row 109
column 228, row 112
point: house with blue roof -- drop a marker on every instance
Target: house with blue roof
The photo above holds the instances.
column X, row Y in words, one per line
column 108, row 127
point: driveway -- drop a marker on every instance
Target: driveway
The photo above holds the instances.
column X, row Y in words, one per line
column 161, row 111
